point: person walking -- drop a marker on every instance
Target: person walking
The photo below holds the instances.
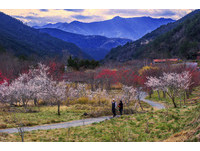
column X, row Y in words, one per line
column 114, row 105
column 120, row 107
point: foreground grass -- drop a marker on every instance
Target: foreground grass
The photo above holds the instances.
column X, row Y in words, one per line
column 43, row 115
column 194, row 98
column 151, row 126
column 180, row 124
column 11, row 117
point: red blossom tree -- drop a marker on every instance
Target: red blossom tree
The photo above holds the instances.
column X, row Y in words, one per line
column 3, row 78
column 107, row 77
column 56, row 70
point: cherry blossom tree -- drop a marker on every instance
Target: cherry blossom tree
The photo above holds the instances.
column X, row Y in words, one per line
column 57, row 93
column 36, row 83
column 44, row 87
column 172, row 83
column 19, row 90
column 3, row 91
column 128, row 93
column 156, row 84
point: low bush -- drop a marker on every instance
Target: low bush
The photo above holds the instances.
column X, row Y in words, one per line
column 3, row 126
column 84, row 100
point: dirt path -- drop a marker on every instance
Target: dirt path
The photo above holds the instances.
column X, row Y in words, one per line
column 152, row 103
column 59, row 125
column 78, row 122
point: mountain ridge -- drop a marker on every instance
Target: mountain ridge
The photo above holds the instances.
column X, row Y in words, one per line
column 94, row 45
column 20, row 39
column 117, row 27
column 139, row 48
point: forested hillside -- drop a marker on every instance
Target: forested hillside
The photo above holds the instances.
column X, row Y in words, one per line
column 96, row 46
column 22, row 40
column 178, row 39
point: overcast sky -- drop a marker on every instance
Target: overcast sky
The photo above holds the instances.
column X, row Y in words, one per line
column 34, row 17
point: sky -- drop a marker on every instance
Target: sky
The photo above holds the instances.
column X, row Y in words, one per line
column 39, row 17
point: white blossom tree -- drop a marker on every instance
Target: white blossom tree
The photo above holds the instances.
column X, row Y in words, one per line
column 4, row 91
column 35, row 84
column 57, row 93
column 156, row 84
column 129, row 93
column 172, row 83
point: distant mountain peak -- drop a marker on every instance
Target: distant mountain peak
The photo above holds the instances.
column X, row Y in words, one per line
column 75, row 22
column 130, row 28
column 176, row 39
column 22, row 40
column 117, row 17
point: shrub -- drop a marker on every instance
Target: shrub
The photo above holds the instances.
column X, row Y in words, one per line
column 84, row 100
column 3, row 126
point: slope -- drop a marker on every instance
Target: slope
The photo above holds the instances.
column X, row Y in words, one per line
column 22, row 40
column 96, row 46
column 171, row 40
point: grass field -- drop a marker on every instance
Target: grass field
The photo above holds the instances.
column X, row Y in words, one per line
column 174, row 124
column 43, row 115
column 10, row 117
column 151, row 126
column 194, row 98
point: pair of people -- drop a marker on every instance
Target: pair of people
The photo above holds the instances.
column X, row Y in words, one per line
column 114, row 106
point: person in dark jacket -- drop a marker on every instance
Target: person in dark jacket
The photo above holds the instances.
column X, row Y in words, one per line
column 114, row 105
column 120, row 107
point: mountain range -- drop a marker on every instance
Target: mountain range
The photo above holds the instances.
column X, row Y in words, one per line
column 22, row 40
column 117, row 27
column 178, row 39
column 96, row 46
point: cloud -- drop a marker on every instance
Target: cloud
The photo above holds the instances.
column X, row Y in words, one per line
column 81, row 17
column 166, row 13
column 74, row 10
column 44, row 16
column 44, row 10
column 38, row 21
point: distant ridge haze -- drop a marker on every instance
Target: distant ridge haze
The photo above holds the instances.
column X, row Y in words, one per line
column 94, row 45
column 117, row 27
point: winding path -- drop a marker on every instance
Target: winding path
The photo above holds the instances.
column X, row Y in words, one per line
column 59, row 125
column 78, row 122
column 152, row 103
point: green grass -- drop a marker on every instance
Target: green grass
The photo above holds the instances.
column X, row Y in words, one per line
column 161, row 125
column 167, row 100
column 44, row 115
column 174, row 124
column 10, row 117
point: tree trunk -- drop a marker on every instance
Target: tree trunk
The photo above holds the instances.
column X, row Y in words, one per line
column 92, row 88
column 158, row 94
column 173, row 100
column 23, row 101
column 58, row 107
column 184, row 98
column 150, row 93
column 187, row 94
column 35, row 102
column 164, row 94
column 22, row 136
column 140, row 105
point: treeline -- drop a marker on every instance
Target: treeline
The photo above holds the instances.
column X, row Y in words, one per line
column 78, row 64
